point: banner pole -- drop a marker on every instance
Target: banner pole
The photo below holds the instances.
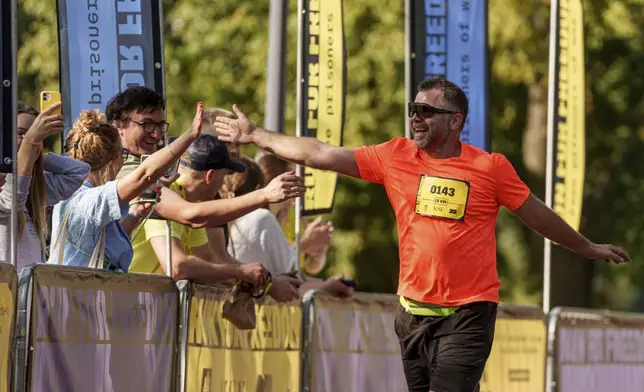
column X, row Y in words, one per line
column 299, row 170
column 276, row 67
column 409, row 53
column 14, row 146
column 547, row 256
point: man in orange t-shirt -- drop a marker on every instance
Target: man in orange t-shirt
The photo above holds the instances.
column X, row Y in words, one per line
column 446, row 195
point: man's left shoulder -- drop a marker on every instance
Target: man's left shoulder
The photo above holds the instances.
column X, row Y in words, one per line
column 478, row 157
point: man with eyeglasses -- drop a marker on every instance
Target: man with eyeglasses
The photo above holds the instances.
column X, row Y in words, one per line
column 446, row 195
column 139, row 115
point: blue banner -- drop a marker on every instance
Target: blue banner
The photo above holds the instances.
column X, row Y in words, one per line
column 449, row 39
column 106, row 47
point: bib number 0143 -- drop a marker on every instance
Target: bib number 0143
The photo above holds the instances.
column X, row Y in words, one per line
column 442, row 197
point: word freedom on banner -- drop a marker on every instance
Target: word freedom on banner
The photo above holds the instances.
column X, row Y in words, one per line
column 449, row 40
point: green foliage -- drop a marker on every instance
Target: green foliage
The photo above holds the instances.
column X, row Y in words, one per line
column 216, row 52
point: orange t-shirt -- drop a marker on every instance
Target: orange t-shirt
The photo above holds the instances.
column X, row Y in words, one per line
column 446, row 211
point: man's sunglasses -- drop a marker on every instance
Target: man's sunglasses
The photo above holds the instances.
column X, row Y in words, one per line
column 424, row 111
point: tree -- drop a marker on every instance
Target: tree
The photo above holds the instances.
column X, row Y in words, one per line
column 216, row 52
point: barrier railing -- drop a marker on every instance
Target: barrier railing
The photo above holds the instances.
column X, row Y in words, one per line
column 77, row 329
column 8, row 298
column 85, row 330
column 593, row 351
column 220, row 357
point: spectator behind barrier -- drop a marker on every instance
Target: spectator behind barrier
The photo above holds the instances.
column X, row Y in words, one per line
column 316, row 238
column 45, row 180
column 138, row 115
column 202, row 171
column 92, row 227
column 259, row 236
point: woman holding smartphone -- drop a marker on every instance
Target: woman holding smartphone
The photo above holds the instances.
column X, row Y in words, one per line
column 43, row 179
column 88, row 228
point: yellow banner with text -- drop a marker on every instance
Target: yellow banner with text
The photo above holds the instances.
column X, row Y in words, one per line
column 223, row 358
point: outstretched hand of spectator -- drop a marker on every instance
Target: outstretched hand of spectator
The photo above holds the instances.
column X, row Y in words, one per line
column 237, row 130
column 317, row 237
column 284, row 187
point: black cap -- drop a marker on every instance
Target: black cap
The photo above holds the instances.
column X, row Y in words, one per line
column 208, row 153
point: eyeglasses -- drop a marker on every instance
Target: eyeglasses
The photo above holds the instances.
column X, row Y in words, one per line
column 424, row 111
column 149, row 127
column 126, row 154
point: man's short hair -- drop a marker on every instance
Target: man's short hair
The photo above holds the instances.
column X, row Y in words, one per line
column 138, row 99
column 453, row 95
column 211, row 114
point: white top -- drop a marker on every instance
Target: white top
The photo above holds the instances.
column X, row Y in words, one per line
column 258, row 238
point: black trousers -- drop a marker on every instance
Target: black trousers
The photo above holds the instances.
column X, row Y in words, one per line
column 446, row 353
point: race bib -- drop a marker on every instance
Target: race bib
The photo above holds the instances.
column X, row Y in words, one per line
column 442, row 197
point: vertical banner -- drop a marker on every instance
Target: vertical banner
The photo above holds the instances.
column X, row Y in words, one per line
column 8, row 296
column 449, row 39
column 223, row 358
column 106, row 47
column 8, row 80
column 322, row 93
column 596, row 351
column 567, row 115
column 104, row 332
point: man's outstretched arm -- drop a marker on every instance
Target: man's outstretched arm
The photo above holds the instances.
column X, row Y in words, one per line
column 304, row 151
column 537, row 216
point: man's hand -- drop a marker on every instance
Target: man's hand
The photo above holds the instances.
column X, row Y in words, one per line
column 237, row 131
column 253, row 273
column 335, row 285
column 608, row 253
column 285, row 287
column 283, row 187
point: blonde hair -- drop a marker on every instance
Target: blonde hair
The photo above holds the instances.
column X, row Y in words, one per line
column 94, row 141
column 37, row 197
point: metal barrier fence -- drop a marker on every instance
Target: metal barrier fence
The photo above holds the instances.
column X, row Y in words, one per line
column 85, row 330
column 366, row 355
column 8, row 297
column 593, row 351
column 77, row 329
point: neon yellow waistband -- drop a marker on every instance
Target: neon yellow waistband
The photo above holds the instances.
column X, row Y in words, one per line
column 424, row 309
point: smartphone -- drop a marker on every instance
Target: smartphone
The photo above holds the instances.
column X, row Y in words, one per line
column 175, row 166
column 150, row 194
column 49, row 98
column 350, row 282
